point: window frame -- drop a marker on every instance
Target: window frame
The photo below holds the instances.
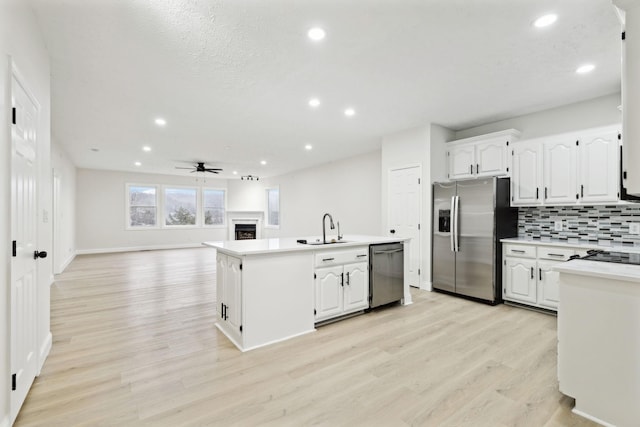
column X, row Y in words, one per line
column 127, row 211
column 197, row 223
column 224, row 207
column 267, row 224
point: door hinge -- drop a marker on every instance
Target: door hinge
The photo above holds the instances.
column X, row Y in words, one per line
column 14, row 386
column 314, row 276
column 512, row 152
column 624, row 175
column 240, row 266
column 314, row 312
column 507, row 169
column 623, row 35
column 240, row 328
column 418, row 226
column 577, row 143
column 619, row 136
column 14, row 249
column 14, row 114
column 418, row 181
column 418, row 272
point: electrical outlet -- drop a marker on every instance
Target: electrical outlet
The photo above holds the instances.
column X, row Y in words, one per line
column 634, row 228
column 557, row 225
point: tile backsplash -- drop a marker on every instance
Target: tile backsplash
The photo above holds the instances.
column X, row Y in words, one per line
column 603, row 225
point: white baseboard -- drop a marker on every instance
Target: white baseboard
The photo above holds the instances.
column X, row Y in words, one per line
column 67, row 261
column 426, row 286
column 45, row 348
column 137, row 248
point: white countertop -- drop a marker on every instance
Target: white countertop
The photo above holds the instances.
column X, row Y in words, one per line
column 572, row 244
column 605, row 270
column 290, row 244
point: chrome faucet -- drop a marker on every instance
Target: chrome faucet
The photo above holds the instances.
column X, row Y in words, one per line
column 339, row 235
column 324, row 233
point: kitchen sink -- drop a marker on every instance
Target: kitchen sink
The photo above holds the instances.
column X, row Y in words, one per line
column 333, row 242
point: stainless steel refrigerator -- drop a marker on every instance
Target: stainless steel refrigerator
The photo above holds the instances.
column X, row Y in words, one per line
column 469, row 219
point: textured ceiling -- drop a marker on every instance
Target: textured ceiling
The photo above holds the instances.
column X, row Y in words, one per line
column 233, row 78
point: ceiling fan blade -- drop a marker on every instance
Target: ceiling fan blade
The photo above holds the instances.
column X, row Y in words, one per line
column 213, row 171
column 178, row 167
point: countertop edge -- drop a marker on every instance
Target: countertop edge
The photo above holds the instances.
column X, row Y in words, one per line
column 521, row 241
column 624, row 272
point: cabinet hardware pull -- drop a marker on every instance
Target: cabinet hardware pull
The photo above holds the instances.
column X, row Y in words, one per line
column 582, row 191
column 477, row 168
column 537, row 193
column 517, row 251
column 545, row 192
column 347, row 278
column 471, row 169
column 328, row 259
column 560, row 255
column 532, row 272
column 342, row 279
column 540, row 270
column 361, row 255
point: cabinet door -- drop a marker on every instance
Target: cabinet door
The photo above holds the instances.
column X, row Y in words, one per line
column 462, row 162
column 356, row 287
column 520, row 280
column 560, row 171
column 548, row 286
column 491, row 158
column 599, row 166
column 233, row 293
column 221, row 273
column 526, row 175
column 329, row 292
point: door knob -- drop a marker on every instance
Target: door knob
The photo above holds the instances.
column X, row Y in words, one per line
column 392, row 231
column 41, row 254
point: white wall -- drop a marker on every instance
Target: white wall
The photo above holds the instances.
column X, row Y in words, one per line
column 410, row 148
column 348, row 189
column 101, row 213
column 64, row 209
column 245, row 195
column 592, row 113
column 21, row 41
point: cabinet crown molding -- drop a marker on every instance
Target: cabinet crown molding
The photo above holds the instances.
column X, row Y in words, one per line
column 508, row 133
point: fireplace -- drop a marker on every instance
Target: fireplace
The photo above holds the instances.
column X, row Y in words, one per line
column 245, row 231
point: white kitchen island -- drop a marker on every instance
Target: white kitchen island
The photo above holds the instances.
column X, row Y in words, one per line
column 599, row 340
column 270, row 290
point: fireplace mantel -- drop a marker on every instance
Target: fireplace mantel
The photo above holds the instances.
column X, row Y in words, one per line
column 244, row 217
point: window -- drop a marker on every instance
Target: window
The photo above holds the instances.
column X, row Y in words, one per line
column 273, row 207
column 180, row 206
column 213, row 206
column 143, row 206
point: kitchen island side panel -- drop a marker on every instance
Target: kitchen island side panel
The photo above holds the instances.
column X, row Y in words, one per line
column 278, row 297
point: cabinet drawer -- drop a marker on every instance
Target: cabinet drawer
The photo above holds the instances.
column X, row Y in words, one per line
column 554, row 253
column 523, row 251
column 327, row 258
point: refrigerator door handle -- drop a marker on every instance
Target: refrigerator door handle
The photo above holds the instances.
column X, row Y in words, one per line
column 456, row 224
column 452, row 223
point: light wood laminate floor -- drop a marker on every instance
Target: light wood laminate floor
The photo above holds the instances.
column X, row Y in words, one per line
column 135, row 344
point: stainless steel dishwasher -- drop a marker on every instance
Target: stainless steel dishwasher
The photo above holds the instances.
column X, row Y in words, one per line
column 386, row 273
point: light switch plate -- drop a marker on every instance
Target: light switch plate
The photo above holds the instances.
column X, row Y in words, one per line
column 557, row 225
column 634, row 228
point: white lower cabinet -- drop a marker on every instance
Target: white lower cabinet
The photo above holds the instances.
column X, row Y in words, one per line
column 341, row 283
column 528, row 273
column 229, row 294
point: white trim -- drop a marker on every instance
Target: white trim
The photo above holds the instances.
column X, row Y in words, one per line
column 67, row 262
column 592, row 418
column 137, row 248
column 426, row 285
column 224, row 207
column 127, row 210
column 198, row 221
column 266, row 209
column 45, row 348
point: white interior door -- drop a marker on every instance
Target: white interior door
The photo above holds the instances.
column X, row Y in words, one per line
column 405, row 201
column 24, row 236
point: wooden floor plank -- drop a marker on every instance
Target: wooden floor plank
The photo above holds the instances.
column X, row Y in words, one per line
column 135, row 344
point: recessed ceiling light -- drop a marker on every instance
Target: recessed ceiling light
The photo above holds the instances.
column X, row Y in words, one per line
column 349, row 112
column 235, row 172
column 316, row 34
column 146, row 148
column 160, row 121
column 263, row 162
column 545, row 21
column 314, row 102
column 586, row 68
column 138, row 164
column 308, row 147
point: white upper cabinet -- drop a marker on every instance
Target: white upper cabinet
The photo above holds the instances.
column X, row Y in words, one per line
column 481, row 156
column 580, row 167
column 560, row 171
column 526, row 177
column 600, row 166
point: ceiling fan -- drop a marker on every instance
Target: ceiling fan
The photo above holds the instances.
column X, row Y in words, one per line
column 200, row 167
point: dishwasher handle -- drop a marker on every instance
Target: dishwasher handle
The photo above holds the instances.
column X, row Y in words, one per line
column 390, row 251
